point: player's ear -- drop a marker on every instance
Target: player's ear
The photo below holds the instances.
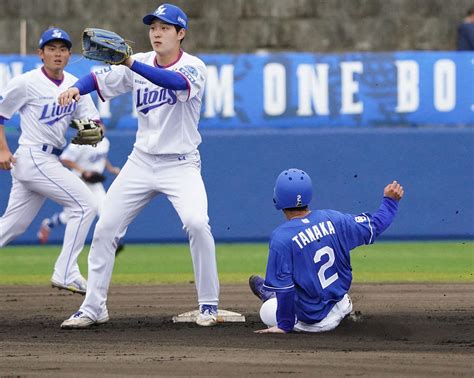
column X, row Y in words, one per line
column 181, row 34
column 41, row 54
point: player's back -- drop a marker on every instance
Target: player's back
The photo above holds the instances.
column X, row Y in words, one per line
column 321, row 269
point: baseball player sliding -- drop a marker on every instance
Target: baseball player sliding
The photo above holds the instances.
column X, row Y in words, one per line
column 89, row 163
column 167, row 85
column 36, row 171
column 309, row 272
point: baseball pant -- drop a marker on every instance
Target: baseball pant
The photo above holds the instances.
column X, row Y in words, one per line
column 38, row 175
column 340, row 310
column 143, row 177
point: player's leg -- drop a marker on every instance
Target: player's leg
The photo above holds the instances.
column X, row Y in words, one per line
column 129, row 193
column 187, row 193
column 23, row 205
column 340, row 310
column 65, row 188
column 47, row 224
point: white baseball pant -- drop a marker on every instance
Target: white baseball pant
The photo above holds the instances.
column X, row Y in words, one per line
column 143, row 177
column 340, row 310
column 38, row 175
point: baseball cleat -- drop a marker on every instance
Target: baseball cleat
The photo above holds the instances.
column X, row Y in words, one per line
column 44, row 231
column 256, row 285
column 81, row 320
column 79, row 285
column 207, row 315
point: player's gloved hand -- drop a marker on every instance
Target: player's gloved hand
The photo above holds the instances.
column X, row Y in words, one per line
column 72, row 94
column 105, row 46
column 92, row 177
column 88, row 132
column 394, row 191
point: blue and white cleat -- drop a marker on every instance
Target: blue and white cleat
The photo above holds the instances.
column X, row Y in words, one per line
column 79, row 285
column 207, row 315
column 256, row 285
column 81, row 320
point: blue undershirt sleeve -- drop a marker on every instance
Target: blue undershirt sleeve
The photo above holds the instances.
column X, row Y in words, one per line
column 385, row 214
column 159, row 76
column 286, row 310
column 85, row 84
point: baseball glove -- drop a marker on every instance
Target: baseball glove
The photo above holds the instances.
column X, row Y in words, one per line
column 92, row 177
column 104, row 46
column 88, row 132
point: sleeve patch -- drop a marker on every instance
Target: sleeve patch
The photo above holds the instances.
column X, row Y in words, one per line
column 360, row 219
column 190, row 72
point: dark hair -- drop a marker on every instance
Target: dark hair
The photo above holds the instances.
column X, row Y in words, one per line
column 178, row 28
column 470, row 11
column 297, row 208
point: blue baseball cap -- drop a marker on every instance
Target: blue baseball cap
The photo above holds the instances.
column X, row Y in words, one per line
column 171, row 14
column 54, row 34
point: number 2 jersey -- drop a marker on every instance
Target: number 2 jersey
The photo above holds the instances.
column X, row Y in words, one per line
column 310, row 256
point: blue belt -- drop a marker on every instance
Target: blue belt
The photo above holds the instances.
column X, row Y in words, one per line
column 52, row 150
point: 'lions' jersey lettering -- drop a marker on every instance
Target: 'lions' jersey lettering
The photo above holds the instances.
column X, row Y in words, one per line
column 34, row 95
column 163, row 114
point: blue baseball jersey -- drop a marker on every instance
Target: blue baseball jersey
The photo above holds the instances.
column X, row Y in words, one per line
column 310, row 256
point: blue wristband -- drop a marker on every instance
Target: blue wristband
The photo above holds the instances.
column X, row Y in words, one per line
column 85, row 84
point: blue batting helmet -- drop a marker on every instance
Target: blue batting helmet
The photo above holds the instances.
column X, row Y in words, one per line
column 293, row 188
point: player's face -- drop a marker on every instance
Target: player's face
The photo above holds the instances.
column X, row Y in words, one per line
column 164, row 38
column 55, row 55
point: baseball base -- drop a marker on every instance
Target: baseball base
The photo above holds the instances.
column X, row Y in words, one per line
column 222, row 316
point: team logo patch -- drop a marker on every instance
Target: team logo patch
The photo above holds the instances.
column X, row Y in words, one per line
column 57, row 33
column 160, row 10
column 190, row 72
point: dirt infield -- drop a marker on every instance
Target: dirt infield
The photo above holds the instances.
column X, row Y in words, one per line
column 406, row 330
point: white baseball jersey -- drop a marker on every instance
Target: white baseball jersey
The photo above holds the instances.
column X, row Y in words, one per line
column 167, row 119
column 34, row 95
column 88, row 157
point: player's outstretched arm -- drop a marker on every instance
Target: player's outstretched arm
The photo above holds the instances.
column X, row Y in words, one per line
column 385, row 214
column 6, row 157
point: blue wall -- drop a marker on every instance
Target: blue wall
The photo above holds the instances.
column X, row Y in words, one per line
column 349, row 169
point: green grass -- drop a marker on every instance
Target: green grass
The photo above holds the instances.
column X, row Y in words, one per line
column 171, row 263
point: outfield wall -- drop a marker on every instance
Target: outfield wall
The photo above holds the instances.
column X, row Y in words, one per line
column 349, row 170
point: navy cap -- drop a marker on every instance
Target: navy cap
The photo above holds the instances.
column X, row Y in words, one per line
column 54, row 34
column 171, row 14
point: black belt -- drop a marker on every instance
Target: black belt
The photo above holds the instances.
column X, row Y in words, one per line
column 52, row 150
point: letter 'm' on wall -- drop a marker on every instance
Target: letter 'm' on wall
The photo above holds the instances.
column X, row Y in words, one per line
column 219, row 91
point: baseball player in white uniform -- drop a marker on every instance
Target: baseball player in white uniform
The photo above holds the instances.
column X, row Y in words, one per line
column 167, row 85
column 89, row 163
column 36, row 171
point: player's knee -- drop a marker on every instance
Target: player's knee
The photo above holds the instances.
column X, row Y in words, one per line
column 268, row 312
column 196, row 224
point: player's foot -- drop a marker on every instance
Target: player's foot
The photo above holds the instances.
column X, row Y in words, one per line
column 44, row 231
column 81, row 320
column 256, row 285
column 79, row 285
column 207, row 315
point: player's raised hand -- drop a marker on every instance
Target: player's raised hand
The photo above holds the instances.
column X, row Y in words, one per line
column 6, row 160
column 72, row 94
column 270, row 330
column 394, row 190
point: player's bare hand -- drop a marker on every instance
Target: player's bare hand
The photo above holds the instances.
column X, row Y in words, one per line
column 394, row 191
column 72, row 94
column 270, row 330
column 6, row 160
